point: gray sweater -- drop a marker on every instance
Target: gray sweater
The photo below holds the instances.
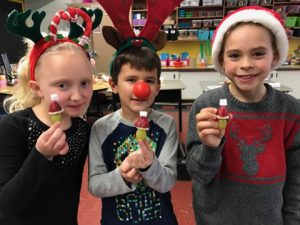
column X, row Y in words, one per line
column 253, row 177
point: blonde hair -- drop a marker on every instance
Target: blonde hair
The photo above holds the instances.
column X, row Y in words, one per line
column 23, row 96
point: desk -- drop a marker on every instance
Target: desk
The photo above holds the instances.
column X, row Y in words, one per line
column 100, row 85
column 209, row 85
column 170, row 92
column 97, row 86
column 8, row 90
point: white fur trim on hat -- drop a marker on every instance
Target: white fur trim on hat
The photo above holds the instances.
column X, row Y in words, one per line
column 255, row 14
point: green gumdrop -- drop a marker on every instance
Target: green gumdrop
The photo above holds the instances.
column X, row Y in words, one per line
column 55, row 117
column 222, row 123
column 141, row 135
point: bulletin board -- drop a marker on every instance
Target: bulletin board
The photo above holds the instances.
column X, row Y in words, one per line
column 9, row 43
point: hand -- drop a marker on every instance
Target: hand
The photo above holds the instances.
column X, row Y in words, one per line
column 141, row 158
column 128, row 173
column 52, row 142
column 207, row 128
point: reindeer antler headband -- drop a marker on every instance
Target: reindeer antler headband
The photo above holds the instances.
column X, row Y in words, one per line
column 79, row 33
column 123, row 37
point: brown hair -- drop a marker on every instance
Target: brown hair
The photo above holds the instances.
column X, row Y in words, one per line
column 139, row 58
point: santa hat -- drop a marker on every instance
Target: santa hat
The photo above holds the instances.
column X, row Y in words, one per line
column 256, row 14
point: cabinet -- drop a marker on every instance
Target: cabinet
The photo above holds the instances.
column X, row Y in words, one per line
column 192, row 82
column 210, row 12
column 290, row 79
column 139, row 15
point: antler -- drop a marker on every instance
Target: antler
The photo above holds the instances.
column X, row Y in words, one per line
column 118, row 12
column 16, row 24
column 156, row 15
column 72, row 15
column 77, row 30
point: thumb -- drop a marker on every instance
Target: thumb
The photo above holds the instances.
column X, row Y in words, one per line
column 125, row 166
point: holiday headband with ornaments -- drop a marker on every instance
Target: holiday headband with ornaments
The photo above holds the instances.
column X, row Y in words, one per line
column 123, row 36
column 81, row 26
column 256, row 14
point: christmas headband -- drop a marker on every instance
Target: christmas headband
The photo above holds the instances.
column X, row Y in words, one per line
column 123, row 36
column 256, row 14
column 79, row 33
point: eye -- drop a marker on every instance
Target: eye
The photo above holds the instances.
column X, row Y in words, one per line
column 85, row 83
column 259, row 54
column 62, row 85
column 233, row 56
column 131, row 80
column 151, row 81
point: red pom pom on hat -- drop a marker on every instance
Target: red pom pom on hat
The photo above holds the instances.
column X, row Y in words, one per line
column 256, row 14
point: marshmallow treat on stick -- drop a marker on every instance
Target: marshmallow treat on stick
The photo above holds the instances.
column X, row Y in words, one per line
column 55, row 109
column 222, row 114
column 142, row 125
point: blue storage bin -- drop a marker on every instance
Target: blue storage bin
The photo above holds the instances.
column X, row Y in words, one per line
column 203, row 34
column 211, row 34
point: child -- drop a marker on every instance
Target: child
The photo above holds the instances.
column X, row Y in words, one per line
column 247, row 173
column 136, row 191
column 134, row 177
column 41, row 164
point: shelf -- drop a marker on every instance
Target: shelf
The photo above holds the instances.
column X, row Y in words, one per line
column 286, row 3
column 200, row 7
column 78, row 5
column 200, row 18
column 139, row 10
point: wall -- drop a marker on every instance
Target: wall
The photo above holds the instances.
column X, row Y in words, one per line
column 50, row 9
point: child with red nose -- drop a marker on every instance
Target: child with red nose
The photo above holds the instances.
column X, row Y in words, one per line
column 133, row 151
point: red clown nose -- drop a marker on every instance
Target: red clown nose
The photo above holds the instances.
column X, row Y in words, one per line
column 141, row 90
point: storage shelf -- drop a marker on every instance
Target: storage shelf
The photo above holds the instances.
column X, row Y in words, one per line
column 202, row 17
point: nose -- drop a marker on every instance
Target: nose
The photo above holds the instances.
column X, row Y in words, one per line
column 76, row 94
column 141, row 90
column 246, row 62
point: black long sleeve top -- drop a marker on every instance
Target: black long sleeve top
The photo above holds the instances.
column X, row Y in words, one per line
column 34, row 190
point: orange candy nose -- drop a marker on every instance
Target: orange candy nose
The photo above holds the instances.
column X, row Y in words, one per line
column 141, row 90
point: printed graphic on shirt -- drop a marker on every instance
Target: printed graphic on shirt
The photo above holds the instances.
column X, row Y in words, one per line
column 143, row 204
column 254, row 152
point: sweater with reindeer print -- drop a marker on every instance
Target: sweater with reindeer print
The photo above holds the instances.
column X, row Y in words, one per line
column 253, row 177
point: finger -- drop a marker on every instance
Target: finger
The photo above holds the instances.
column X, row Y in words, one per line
column 48, row 133
column 146, row 151
column 56, row 136
column 59, row 141
column 125, row 166
column 132, row 173
column 64, row 150
column 137, row 178
column 207, row 114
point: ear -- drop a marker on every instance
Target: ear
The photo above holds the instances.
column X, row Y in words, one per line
column 35, row 87
column 157, row 88
column 275, row 60
column 113, row 86
column 160, row 40
column 112, row 36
